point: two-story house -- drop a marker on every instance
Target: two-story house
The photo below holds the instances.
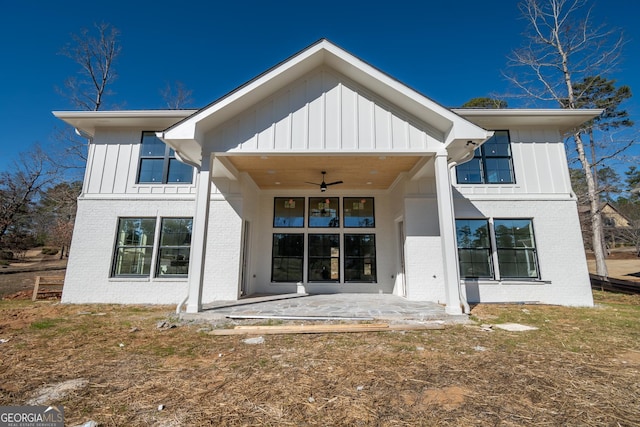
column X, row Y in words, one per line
column 328, row 175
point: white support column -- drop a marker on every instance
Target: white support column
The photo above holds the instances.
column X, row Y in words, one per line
column 199, row 236
column 446, row 219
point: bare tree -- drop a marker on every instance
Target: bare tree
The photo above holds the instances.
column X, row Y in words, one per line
column 176, row 96
column 56, row 212
column 564, row 47
column 19, row 189
column 96, row 53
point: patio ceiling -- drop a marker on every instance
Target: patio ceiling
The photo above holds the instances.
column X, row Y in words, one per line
column 273, row 172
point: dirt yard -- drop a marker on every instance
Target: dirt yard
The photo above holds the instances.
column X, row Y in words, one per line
column 19, row 276
column 621, row 264
column 140, row 366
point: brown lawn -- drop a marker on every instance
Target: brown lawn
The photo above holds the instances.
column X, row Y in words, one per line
column 581, row 367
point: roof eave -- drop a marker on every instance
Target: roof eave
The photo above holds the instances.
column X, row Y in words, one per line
column 439, row 118
column 565, row 120
column 86, row 122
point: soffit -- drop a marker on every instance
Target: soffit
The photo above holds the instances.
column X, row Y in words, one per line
column 562, row 119
column 276, row 172
column 88, row 121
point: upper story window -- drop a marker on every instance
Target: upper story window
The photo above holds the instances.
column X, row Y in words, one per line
column 323, row 212
column 491, row 163
column 158, row 163
column 288, row 212
column 358, row 212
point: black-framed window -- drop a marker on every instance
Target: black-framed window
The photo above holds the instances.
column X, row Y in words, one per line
column 288, row 212
column 474, row 248
column 324, row 258
column 159, row 165
column 324, row 212
column 491, row 164
column 358, row 212
column 516, row 248
column 134, row 247
column 360, row 258
column 287, row 257
column 175, row 247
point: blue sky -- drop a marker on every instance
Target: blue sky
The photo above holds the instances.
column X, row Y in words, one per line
column 451, row 51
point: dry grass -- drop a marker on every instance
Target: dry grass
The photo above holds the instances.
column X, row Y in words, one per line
column 582, row 367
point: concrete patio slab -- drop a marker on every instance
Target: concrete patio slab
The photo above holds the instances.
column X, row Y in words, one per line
column 327, row 307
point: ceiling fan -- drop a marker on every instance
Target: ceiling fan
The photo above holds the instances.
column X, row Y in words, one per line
column 323, row 185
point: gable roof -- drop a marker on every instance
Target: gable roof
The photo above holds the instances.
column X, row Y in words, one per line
column 186, row 135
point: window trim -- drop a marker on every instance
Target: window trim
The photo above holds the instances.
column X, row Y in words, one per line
column 304, row 212
column 273, row 256
column 534, row 251
column 166, row 158
column 344, row 214
column 335, row 220
column 481, row 157
column 489, row 249
column 338, row 228
column 117, row 247
column 160, row 246
column 497, row 274
column 154, row 263
column 361, row 257
column 311, row 258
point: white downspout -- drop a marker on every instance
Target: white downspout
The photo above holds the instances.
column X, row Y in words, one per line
column 182, row 303
column 462, row 292
column 196, row 166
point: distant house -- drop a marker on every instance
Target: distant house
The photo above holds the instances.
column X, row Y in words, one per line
column 611, row 216
column 614, row 223
column 328, row 175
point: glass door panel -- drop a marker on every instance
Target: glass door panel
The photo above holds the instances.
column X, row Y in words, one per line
column 287, row 258
column 324, row 257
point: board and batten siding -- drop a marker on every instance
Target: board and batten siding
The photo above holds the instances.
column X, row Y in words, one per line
column 539, row 164
column 323, row 112
column 112, row 166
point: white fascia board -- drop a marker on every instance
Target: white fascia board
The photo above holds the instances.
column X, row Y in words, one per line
column 322, row 53
column 243, row 97
column 562, row 119
column 88, row 121
column 440, row 118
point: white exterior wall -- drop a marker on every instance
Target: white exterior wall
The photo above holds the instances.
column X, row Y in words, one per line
column 262, row 239
column 221, row 279
column 112, row 166
column 89, row 269
column 323, row 112
column 539, row 164
column 563, row 270
column 423, row 255
column 324, row 102
column 542, row 192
